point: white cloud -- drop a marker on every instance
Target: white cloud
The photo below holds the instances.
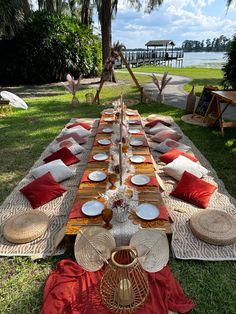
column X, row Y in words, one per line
column 175, row 19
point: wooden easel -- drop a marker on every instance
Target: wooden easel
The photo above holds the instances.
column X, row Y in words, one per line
column 212, row 112
column 96, row 98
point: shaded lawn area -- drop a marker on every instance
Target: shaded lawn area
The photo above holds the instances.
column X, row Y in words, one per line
column 201, row 76
column 23, row 137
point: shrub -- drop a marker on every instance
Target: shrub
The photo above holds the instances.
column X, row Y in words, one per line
column 229, row 69
column 48, row 47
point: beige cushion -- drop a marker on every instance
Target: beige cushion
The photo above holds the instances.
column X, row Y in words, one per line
column 169, row 144
column 57, row 168
column 70, row 143
column 77, row 129
column 157, row 128
column 177, row 167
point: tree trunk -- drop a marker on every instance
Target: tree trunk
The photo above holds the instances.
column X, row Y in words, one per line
column 85, row 13
column 72, row 7
column 49, row 5
column 106, row 29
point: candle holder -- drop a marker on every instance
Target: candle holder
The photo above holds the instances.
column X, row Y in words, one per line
column 124, row 285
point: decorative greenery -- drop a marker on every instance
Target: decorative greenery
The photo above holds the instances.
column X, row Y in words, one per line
column 48, row 47
column 229, row 68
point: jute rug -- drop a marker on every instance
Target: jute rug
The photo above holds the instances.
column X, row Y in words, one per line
column 184, row 244
column 57, row 210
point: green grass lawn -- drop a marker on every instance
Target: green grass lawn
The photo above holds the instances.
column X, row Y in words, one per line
column 23, row 137
column 201, row 76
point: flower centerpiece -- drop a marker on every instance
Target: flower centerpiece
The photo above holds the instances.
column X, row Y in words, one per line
column 120, row 201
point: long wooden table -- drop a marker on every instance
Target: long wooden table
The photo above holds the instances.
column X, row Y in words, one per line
column 92, row 190
column 229, row 98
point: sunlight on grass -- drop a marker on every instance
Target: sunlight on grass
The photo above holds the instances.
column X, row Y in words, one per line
column 26, row 133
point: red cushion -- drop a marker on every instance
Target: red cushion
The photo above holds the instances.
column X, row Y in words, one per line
column 154, row 122
column 83, row 124
column 174, row 153
column 80, row 140
column 65, row 155
column 42, row 190
column 162, row 135
column 194, row 190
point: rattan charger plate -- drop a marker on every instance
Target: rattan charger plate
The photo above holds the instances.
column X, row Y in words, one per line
column 25, row 227
column 214, row 227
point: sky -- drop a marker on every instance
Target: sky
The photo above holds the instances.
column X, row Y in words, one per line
column 177, row 20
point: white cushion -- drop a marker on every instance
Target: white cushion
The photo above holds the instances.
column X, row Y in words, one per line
column 177, row 167
column 70, row 143
column 57, row 168
column 157, row 128
column 169, row 144
column 77, row 129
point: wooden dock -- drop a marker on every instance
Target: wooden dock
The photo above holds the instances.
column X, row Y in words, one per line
column 165, row 58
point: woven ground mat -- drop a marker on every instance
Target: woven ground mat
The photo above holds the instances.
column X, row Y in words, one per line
column 57, row 210
column 184, row 244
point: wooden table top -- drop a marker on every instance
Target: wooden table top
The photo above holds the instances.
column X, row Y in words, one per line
column 229, row 96
column 90, row 190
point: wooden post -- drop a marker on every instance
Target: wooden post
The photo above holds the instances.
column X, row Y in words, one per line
column 96, row 98
column 130, row 71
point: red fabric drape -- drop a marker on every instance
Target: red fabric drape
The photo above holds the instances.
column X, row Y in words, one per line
column 71, row 290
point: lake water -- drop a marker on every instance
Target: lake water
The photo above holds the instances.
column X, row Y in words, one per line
column 204, row 59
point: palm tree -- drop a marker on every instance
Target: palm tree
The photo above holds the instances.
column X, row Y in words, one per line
column 106, row 8
column 12, row 14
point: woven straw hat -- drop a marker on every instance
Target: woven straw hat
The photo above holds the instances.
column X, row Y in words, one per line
column 214, row 227
column 25, row 227
column 93, row 247
column 153, row 248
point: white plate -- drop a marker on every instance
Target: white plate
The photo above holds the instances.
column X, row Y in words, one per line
column 147, row 211
column 92, row 208
column 136, row 142
column 130, row 113
column 108, row 112
column 108, row 119
column 133, row 121
column 134, row 131
column 136, row 159
column 140, row 179
column 107, row 130
column 14, row 100
column 100, row 157
column 104, row 142
column 97, row 176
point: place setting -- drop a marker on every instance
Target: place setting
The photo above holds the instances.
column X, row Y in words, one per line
column 96, row 176
column 99, row 157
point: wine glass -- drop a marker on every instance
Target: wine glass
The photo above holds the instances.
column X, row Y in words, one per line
column 107, row 214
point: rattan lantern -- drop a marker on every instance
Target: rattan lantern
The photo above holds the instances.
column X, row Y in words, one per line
column 124, row 285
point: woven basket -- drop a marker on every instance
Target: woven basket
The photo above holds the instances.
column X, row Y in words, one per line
column 25, row 227
column 214, row 227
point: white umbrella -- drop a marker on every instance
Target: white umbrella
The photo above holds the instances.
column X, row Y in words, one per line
column 14, row 100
